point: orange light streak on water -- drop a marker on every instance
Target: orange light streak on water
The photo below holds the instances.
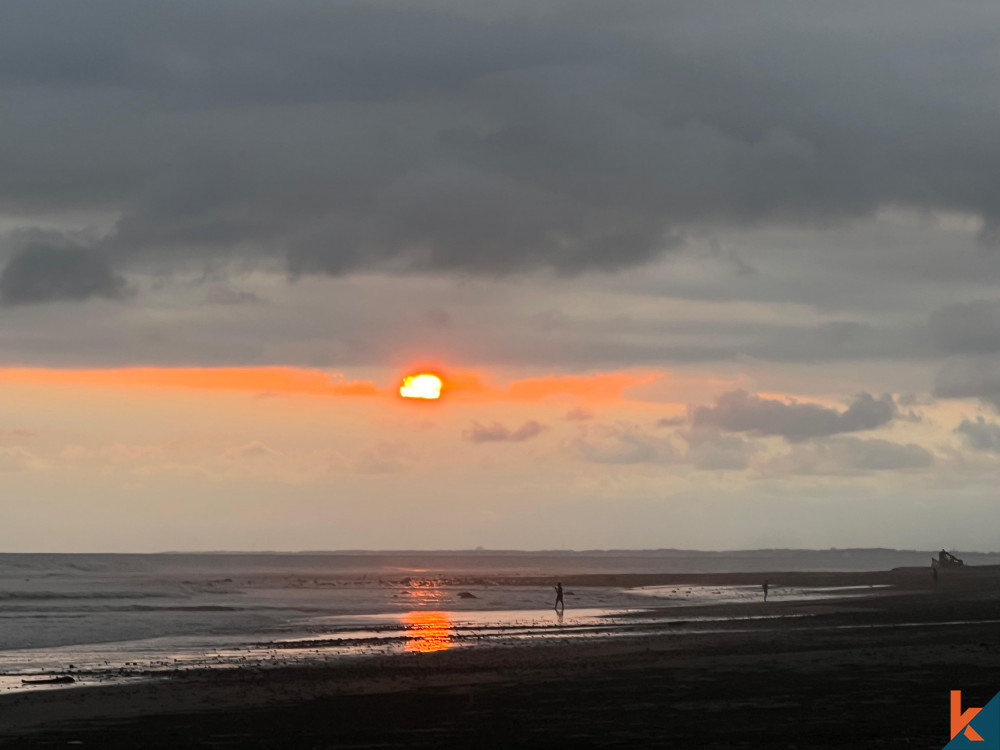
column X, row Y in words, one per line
column 428, row 631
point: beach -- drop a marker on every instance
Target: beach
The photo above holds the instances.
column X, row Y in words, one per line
column 853, row 671
column 522, row 373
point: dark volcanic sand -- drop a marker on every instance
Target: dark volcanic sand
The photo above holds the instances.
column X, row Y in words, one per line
column 803, row 682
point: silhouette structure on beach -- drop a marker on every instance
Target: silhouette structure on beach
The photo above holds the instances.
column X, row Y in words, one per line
column 946, row 560
column 765, row 590
column 560, row 604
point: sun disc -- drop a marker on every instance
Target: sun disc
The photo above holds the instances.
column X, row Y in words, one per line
column 423, row 385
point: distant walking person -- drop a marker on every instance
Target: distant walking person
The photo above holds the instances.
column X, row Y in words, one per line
column 560, row 604
column 765, row 590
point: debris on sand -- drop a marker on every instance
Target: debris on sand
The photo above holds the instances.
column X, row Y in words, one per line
column 64, row 680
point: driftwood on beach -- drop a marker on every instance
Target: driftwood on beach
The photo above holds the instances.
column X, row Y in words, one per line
column 64, row 680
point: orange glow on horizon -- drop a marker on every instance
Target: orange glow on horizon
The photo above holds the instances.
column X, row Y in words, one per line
column 596, row 387
column 421, row 386
column 463, row 385
column 292, row 380
column 428, row 631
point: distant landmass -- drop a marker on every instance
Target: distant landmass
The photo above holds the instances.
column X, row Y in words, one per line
column 641, row 560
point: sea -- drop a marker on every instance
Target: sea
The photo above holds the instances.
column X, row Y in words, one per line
column 100, row 618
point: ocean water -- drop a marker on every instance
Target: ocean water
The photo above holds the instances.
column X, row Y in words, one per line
column 117, row 617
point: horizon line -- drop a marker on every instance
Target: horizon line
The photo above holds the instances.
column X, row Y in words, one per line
column 507, row 551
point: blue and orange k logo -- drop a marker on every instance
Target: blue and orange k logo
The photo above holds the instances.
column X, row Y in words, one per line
column 975, row 727
column 960, row 720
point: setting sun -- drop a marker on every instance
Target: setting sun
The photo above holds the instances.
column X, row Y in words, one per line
column 424, row 386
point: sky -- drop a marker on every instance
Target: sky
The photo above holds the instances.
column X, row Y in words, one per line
column 705, row 275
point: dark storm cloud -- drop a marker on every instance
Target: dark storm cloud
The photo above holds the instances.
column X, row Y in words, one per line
column 739, row 411
column 980, row 435
column 334, row 137
column 42, row 273
column 497, row 433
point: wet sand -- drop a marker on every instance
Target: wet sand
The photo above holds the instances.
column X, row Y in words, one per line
column 862, row 673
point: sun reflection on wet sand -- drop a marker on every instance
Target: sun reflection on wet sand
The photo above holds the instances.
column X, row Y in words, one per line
column 428, row 631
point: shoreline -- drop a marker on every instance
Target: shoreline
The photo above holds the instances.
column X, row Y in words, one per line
column 672, row 601
column 911, row 640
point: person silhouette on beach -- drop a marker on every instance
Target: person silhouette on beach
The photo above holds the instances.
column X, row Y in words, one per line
column 560, row 604
column 765, row 590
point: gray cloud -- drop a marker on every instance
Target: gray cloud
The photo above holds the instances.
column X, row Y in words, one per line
column 710, row 450
column 739, row 411
column 221, row 294
column 850, row 455
column 43, row 273
column 579, row 414
column 422, row 136
column 879, row 455
column 974, row 377
column 968, row 328
column 497, row 433
column 620, row 444
column 980, row 435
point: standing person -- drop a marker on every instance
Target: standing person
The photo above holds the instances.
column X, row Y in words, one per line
column 765, row 590
column 559, row 597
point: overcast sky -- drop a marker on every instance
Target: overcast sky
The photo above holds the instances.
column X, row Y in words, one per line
column 699, row 275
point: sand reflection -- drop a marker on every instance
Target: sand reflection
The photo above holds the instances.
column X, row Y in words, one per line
column 428, row 631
